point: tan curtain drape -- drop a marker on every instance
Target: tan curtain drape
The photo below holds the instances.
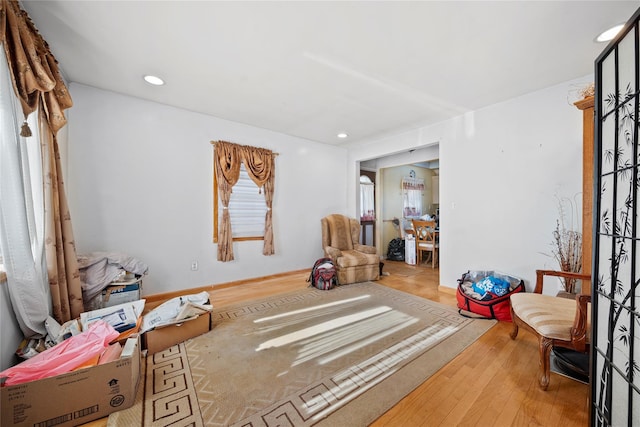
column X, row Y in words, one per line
column 258, row 162
column 226, row 159
column 60, row 250
column 268, row 248
column 260, row 167
column 34, row 70
column 38, row 83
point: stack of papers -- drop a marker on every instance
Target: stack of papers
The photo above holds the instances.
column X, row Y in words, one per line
column 122, row 316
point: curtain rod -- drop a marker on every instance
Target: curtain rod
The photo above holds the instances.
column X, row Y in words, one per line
column 273, row 152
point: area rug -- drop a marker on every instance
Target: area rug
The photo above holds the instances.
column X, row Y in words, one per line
column 341, row 357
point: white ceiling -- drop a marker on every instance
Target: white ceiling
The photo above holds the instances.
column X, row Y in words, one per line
column 313, row 69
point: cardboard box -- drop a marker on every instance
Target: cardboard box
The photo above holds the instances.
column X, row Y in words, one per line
column 167, row 336
column 73, row 398
column 120, row 293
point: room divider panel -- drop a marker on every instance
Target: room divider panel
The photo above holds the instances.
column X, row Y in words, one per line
column 615, row 355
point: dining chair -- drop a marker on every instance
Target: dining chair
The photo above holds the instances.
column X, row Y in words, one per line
column 426, row 240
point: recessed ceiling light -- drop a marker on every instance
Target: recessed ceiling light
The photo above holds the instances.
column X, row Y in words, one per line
column 342, row 135
column 609, row 34
column 153, row 80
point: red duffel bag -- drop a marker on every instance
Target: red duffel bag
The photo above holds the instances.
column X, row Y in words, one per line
column 486, row 294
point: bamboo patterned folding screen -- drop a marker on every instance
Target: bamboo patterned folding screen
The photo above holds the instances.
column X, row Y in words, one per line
column 615, row 343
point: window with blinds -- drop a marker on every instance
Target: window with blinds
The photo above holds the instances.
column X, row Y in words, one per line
column 247, row 209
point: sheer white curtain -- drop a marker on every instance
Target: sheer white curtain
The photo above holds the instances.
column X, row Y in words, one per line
column 412, row 203
column 22, row 212
column 367, row 204
column 412, row 189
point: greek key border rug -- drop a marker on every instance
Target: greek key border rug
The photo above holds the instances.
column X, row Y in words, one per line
column 341, row 358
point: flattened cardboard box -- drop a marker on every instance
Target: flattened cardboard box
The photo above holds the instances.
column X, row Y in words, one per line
column 73, row 398
column 167, row 336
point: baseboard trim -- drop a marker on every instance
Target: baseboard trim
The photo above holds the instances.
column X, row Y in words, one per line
column 447, row 290
column 169, row 295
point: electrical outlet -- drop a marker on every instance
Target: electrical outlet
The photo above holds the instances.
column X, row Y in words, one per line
column 194, row 265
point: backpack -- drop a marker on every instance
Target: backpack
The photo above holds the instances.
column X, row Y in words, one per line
column 323, row 274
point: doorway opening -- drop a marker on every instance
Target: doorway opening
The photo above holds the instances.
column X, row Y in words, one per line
column 394, row 207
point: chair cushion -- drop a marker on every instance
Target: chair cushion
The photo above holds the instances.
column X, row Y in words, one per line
column 427, row 246
column 355, row 258
column 549, row 316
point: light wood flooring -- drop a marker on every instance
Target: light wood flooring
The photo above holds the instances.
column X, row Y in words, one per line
column 492, row 383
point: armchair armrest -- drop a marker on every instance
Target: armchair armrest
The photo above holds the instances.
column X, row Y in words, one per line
column 364, row 248
column 332, row 252
column 580, row 327
column 565, row 274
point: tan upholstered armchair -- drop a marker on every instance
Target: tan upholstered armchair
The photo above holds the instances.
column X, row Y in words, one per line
column 340, row 240
column 557, row 321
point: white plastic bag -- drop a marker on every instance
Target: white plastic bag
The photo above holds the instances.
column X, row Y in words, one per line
column 175, row 310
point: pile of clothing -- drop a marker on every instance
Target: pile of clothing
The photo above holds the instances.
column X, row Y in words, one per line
column 99, row 269
column 490, row 287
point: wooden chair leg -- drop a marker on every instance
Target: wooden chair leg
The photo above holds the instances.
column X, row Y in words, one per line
column 545, row 345
column 514, row 320
column 423, row 258
column 514, row 331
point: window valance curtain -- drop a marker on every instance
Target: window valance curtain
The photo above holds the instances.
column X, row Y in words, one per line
column 409, row 183
column 259, row 163
column 38, row 85
column 34, row 70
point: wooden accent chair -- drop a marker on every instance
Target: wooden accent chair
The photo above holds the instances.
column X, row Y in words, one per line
column 341, row 242
column 557, row 321
column 426, row 241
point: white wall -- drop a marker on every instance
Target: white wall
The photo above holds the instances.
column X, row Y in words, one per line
column 140, row 182
column 501, row 171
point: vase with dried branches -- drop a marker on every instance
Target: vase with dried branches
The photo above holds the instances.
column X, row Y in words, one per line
column 567, row 246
